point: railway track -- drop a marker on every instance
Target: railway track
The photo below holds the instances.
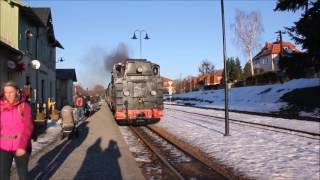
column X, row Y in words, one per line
column 274, row 114
column 178, row 163
column 307, row 134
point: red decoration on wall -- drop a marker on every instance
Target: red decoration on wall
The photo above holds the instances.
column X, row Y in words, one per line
column 20, row 67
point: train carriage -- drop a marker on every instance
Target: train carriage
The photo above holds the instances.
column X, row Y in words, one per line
column 135, row 93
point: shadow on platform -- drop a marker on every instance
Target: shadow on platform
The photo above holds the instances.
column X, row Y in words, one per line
column 101, row 164
column 48, row 164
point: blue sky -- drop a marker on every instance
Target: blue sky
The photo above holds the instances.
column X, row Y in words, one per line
column 182, row 33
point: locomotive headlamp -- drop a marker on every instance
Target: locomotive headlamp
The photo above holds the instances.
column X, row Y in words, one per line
column 139, row 69
column 126, row 93
column 153, row 93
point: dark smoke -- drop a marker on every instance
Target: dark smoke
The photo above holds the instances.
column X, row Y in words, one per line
column 96, row 65
column 119, row 54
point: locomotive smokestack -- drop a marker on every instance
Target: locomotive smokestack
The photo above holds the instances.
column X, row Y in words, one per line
column 119, row 54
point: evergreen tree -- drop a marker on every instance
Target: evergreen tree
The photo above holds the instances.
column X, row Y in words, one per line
column 234, row 69
column 238, row 69
column 303, row 32
column 246, row 71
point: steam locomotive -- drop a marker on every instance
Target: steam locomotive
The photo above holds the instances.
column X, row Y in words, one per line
column 135, row 93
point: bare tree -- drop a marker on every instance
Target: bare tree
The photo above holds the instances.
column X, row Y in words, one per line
column 206, row 67
column 98, row 89
column 247, row 28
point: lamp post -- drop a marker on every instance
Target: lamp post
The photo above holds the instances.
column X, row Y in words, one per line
column 135, row 37
column 35, row 64
column 225, row 73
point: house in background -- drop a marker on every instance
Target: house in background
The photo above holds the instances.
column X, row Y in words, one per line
column 268, row 57
column 192, row 83
column 64, row 84
column 212, row 78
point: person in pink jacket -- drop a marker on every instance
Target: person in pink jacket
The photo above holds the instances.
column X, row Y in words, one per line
column 16, row 128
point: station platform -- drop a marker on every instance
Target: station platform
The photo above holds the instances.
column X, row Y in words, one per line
column 99, row 152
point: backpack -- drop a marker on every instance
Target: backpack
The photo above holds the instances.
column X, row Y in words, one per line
column 79, row 101
column 34, row 135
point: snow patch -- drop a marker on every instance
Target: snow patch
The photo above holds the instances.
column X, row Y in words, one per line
column 265, row 98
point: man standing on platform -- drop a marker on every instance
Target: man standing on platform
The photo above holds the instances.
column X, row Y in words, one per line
column 79, row 103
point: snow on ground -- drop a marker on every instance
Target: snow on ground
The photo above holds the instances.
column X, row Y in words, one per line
column 310, row 126
column 255, row 153
column 52, row 133
column 264, row 98
column 315, row 113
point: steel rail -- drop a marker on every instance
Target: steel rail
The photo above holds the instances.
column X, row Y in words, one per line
column 275, row 115
column 252, row 123
column 158, row 154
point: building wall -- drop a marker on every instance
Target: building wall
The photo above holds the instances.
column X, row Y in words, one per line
column 267, row 63
column 46, row 83
column 37, row 47
column 3, row 69
column 24, row 25
column 275, row 58
column 264, row 62
column 7, row 74
column 64, row 93
column 9, row 14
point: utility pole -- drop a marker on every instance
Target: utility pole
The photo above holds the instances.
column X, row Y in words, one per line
column 281, row 47
column 226, row 108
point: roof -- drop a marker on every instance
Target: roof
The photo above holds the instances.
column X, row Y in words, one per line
column 29, row 13
column 274, row 48
column 165, row 79
column 13, row 52
column 43, row 13
column 66, row 74
column 18, row 3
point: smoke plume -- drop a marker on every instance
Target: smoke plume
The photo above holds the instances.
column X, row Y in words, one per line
column 119, row 54
column 95, row 66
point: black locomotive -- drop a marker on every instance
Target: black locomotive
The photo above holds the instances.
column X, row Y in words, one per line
column 135, row 93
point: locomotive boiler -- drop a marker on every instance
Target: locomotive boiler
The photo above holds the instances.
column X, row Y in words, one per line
column 135, row 93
